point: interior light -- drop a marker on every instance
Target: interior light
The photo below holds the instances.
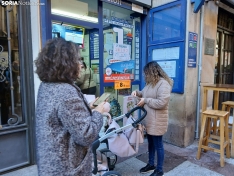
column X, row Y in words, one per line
column 73, row 15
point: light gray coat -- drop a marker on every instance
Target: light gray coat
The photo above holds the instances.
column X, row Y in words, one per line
column 86, row 79
column 156, row 100
column 65, row 130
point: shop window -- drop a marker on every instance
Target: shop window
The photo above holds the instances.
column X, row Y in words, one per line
column 121, row 44
column 225, row 19
column 166, row 40
column 167, row 23
column 10, row 78
column 121, row 57
column 85, row 10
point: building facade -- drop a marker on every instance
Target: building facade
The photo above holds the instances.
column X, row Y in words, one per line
column 207, row 56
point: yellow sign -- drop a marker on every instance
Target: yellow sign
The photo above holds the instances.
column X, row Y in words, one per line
column 123, row 84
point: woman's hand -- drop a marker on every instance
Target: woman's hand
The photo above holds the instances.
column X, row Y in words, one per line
column 91, row 103
column 100, row 107
column 141, row 102
column 134, row 93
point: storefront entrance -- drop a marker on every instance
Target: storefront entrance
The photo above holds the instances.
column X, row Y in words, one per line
column 109, row 35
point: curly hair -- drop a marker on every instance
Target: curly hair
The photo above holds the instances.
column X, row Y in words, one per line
column 58, row 61
column 153, row 72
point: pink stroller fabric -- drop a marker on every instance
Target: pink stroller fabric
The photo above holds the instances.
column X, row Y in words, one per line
column 126, row 143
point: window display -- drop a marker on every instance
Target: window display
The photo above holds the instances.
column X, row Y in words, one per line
column 121, row 52
column 121, row 44
column 69, row 33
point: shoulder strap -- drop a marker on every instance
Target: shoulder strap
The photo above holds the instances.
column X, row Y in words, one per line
column 89, row 76
column 85, row 102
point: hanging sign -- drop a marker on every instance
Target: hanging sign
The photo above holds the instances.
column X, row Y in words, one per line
column 123, row 84
column 127, row 5
column 118, row 22
column 118, row 77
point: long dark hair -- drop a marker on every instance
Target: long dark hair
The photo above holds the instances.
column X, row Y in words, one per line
column 58, row 61
column 153, row 72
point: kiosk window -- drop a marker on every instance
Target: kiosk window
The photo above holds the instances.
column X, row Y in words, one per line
column 121, row 44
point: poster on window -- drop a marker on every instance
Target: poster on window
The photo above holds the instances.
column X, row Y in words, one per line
column 169, row 67
column 121, row 52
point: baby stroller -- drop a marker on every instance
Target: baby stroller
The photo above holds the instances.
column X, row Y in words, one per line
column 121, row 141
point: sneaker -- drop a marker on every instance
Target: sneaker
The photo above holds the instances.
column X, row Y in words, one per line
column 147, row 168
column 157, row 173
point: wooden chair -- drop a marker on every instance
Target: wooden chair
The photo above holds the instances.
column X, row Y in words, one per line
column 222, row 140
column 226, row 106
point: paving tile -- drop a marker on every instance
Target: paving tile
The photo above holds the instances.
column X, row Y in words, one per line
column 209, row 160
column 189, row 169
column 130, row 167
column 208, row 165
column 170, row 160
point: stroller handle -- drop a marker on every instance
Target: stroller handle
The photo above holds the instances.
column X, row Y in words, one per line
column 140, row 118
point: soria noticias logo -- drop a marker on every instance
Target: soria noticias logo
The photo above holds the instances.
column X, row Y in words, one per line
column 5, row 3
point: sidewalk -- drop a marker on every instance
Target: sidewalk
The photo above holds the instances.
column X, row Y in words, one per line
column 178, row 162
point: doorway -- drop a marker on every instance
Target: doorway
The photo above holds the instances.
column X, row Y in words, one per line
column 224, row 68
column 17, row 105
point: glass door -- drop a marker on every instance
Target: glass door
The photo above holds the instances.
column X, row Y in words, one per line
column 121, row 55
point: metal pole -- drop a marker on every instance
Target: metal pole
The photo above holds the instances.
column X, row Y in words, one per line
column 15, row 119
column 199, row 71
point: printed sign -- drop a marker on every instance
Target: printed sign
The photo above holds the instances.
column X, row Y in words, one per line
column 166, row 53
column 94, row 45
column 192, row 50
column 169, row 67
column 122, row 67
column 121, row 52
column 118, row 22
column 124, row 84
column 128, row 5
column 117, row 77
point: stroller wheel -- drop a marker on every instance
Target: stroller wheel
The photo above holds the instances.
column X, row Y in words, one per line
column 111, row 173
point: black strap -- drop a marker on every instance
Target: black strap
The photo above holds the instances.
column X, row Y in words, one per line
column 89, row 76
column 82, row 96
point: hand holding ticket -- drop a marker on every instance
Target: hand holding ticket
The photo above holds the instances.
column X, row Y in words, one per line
column 101, row 99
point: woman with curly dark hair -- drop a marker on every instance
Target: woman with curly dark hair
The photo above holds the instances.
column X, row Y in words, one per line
column 65, row 124
column 155, row 98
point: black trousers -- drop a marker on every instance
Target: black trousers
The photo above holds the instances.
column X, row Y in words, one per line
column 91, row 90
